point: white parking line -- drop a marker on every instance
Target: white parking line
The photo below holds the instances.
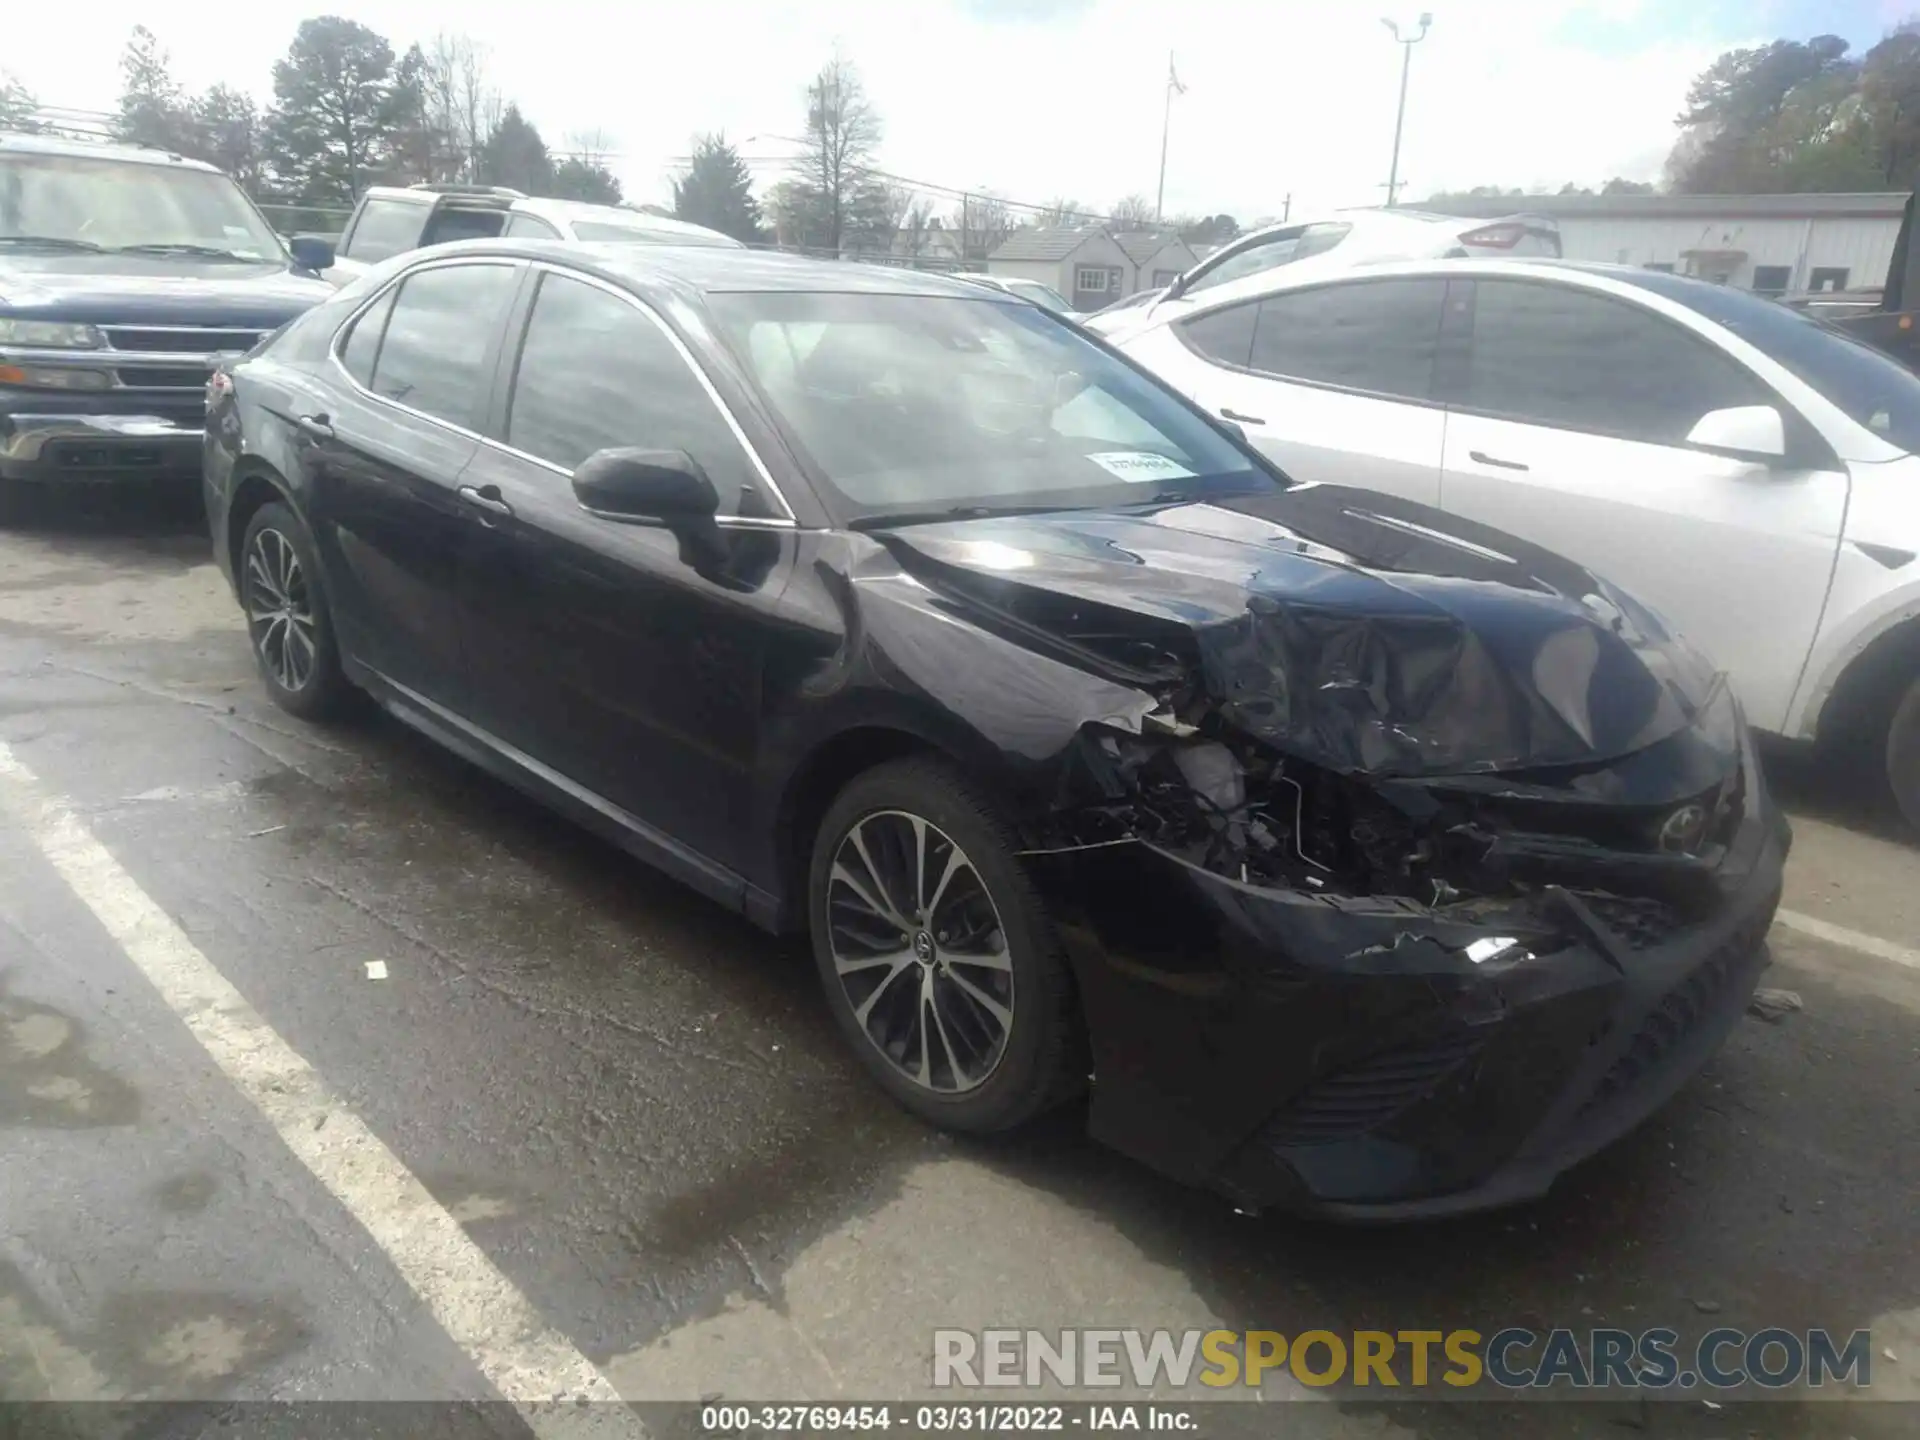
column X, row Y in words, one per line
column 1853, row 939
column 525, row 1359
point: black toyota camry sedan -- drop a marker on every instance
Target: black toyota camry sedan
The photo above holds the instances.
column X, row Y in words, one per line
column 1342, row 855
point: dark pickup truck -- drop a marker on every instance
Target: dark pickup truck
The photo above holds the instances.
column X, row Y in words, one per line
column 123, row 272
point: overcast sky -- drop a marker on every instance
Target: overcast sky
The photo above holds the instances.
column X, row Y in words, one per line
column 1043, row 98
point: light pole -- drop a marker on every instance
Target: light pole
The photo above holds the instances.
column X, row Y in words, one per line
column 1400, row 118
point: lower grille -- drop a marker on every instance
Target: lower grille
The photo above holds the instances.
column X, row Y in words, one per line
column 162, row 377
column 1366, row 1096
column 1640, row 922
column 1678, row 1014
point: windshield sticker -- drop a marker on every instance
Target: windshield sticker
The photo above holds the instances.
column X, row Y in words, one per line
column 1140, row 467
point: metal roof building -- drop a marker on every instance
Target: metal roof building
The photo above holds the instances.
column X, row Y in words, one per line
column 1774, row 244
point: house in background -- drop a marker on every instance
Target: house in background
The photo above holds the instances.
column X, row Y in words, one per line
column 1770, row 244
column 1157, row 257
column 1084, row 263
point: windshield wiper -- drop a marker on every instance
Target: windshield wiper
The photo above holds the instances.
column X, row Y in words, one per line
column 887, row 519
column 52, row 242
column 169, row 247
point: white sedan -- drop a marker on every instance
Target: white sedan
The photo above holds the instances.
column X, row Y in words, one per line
column 1750, row 473
column 1339, row 240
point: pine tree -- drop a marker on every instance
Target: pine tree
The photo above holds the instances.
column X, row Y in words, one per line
column 717, row 191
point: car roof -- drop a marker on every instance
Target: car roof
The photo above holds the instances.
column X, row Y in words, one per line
column 22, row 144
column 694, row 270
column 1284, row 278
column 573, row 211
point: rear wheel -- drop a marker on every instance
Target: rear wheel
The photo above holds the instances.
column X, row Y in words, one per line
column 1903, row 755
column 939, row 961
column 287, row 617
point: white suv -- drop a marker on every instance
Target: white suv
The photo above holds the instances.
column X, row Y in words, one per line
column 1752, row 474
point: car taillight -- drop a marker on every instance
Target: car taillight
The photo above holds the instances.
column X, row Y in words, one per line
column 1495, row 237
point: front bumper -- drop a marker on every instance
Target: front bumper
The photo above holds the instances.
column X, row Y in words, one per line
column 1345, row 1057
column 79, row 447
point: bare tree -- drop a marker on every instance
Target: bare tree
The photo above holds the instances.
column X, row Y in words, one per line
column 1133, row 212
column 461, row 102
column 836, row 192
column 590, row 147
column 984, row 222
column 1058, row 212
column 917, row 222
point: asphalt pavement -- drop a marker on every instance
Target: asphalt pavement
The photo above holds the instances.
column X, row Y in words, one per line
column 331, row 1069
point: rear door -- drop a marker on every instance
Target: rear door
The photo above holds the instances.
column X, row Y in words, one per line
column 1567, row 425
column 384, row 466
column 1333, row 383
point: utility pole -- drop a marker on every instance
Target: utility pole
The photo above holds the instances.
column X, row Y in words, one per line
column 1400, row 118
column 1166, row 123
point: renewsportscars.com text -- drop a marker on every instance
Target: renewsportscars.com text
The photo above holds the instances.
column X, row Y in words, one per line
column 1513, row 1358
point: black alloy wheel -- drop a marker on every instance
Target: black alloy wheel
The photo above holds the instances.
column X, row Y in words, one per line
column 288, row 623
column 938, row 959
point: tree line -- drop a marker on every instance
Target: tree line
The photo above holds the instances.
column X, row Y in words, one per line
column 348, row 112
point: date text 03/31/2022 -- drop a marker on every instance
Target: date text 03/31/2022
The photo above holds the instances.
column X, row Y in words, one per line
column 720, row 1419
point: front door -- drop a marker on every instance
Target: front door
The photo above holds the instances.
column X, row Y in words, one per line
column 1569, row 424
column 598, row 649
column 383, row 455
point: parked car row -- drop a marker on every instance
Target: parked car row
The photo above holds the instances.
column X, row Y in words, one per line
column 1199, row 726
column 1345, row 854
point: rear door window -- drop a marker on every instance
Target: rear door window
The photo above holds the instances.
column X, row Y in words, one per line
column 385, row 228
column 1377, row 336
column 363, row 339
column 1223, row 335
column 1556, row 355
column 434, row 356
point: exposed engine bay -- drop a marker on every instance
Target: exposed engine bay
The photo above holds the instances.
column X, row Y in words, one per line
column 1242, row 809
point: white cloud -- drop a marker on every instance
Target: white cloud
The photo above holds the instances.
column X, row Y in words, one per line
column 1283, row 99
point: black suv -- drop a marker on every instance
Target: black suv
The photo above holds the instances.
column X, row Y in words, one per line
column 122, row 272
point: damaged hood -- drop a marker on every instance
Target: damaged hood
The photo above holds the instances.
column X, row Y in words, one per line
column 1357, row 631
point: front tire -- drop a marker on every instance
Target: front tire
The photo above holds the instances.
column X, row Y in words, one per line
column 1903, row 755
column 288, row 622
column 939, row 961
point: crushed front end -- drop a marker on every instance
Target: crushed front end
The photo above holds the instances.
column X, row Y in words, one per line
column 1427, row 865
column 1384, row 997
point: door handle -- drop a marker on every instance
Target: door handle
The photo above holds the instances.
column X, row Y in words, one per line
column 1486, row 459
column 485, row 497
column 317, row 426
column 1238, row 418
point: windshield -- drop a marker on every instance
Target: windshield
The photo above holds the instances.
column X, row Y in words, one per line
column 1873, row 390
column 919, row 405
column 118, row 204
column 641, row 235
column 1041, row 294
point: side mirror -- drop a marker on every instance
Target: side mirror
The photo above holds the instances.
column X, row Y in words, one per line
column 1742, row 432
column 312, row 252
column 663, row 485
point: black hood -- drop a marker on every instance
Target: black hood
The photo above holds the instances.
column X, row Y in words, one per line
column 155, row 290
column 1361, row 632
